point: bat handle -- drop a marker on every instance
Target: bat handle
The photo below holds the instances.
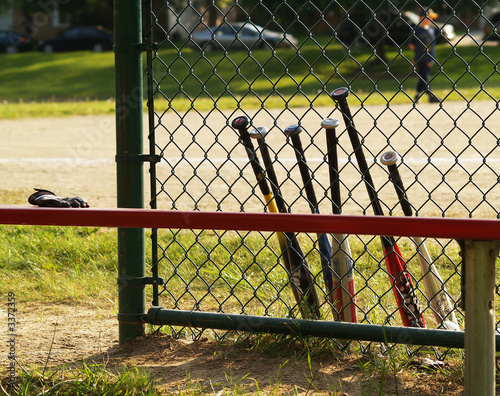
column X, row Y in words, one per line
column 340, row 97
column 390, row 159
column 293, row 131
column 333, row 168
column 241, row 125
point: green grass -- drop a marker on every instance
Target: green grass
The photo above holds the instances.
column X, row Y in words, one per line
column 84, row 82
column 34, row 109
column 58, row 264
column 222, row 273
column 36, row 76
column 87, row 379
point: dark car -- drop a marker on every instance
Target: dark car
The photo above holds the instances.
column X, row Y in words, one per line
column 80, row 38
column 390, row 27
column 12, row 42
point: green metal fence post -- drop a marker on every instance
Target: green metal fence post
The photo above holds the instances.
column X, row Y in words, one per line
column 129, row 168
column 480, row 257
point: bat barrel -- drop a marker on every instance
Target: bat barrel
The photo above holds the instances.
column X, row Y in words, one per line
column 241, row 125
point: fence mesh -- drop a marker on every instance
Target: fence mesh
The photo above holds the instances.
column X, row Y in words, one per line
column 277, row 62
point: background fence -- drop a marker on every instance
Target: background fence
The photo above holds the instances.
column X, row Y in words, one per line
column 198, row 85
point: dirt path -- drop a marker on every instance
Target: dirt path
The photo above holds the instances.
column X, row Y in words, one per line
column 75, row 155
column 55, row 335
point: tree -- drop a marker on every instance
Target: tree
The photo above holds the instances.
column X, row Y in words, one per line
column 79, row 12
column 368, row 20
column 294, row 16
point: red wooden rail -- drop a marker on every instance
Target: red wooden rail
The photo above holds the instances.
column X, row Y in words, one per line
column 474, row 229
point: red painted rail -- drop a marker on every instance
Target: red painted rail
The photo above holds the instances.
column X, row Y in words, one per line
column 476, row 229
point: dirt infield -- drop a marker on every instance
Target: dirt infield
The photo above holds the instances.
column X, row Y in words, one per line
column 75, row 156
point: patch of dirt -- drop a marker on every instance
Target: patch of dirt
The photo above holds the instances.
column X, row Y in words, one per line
column 60, row 333
column 75, row 156
column 54, row 335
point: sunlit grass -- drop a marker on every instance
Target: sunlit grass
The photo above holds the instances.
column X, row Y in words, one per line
column 58, row 264
column 56, row 109
column 39, row 85
column 86, row 379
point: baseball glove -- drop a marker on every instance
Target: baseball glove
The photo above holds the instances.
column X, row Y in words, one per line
column 47, row 198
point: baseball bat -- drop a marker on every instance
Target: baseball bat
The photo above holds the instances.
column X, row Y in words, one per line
column 434, row 285
column 241, row 124
column 402, row 285
column 325, row 248
column 300, row 268
column 341, row 252
column 333, row 278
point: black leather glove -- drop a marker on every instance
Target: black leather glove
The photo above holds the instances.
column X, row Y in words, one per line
column 49, row 199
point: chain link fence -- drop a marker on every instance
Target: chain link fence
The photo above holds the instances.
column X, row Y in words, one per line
column 277, row 62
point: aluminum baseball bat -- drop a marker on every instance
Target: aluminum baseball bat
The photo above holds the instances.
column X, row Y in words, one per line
column 434, row 285
column 341, row 259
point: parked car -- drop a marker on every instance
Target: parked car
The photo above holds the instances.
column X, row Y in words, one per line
column 12, row 42
column 492, row 27
column 80, row 38
column 241, row 35
column 445, row 32
column 399, row 29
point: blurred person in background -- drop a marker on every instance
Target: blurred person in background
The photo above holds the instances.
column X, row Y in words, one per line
column 423, row 45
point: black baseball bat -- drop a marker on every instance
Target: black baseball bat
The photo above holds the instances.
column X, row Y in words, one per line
column 402, row 285
column 434, row 285
column 301, row 273
column 325, row 248
column 241, row 125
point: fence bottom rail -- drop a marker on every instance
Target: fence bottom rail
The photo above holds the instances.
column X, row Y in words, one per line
column 304, row 327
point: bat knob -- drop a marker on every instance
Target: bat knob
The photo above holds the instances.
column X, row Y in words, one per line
column 389, row 158
column 240, row 122
column 259, row 132
column 340, row 93
column 292, row 130
column 329, row 123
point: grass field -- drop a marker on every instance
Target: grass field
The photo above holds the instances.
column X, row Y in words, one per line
column 83, row 82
